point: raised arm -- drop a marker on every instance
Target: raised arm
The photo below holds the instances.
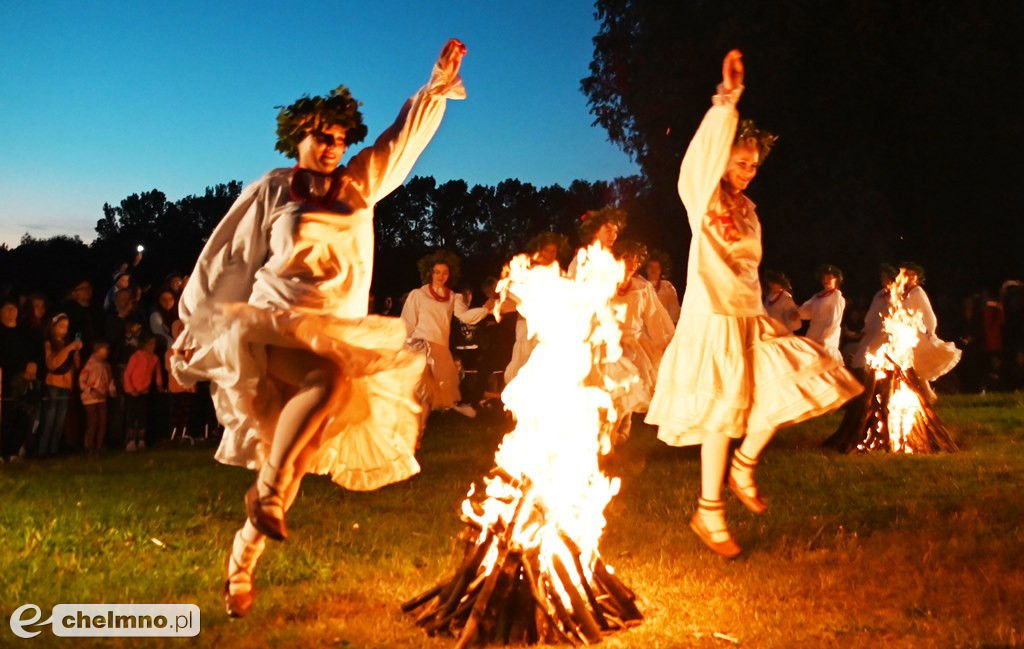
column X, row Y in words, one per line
column 379, row 169
column 708, row 154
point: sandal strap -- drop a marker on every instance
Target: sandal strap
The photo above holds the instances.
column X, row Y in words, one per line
column 741, row 461
column 710, row 505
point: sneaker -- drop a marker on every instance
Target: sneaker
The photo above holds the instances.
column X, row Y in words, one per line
column 130, row 447
column 465, row 410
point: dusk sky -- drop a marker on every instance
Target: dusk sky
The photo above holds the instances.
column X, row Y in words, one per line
column 99, row 100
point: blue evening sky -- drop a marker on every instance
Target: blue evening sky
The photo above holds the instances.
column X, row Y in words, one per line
column 99, row 100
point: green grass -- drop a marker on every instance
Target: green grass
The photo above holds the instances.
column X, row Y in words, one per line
column 856, row 551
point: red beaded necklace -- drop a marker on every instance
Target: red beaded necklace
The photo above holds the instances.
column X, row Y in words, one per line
column 439, row 298
column 826, row 293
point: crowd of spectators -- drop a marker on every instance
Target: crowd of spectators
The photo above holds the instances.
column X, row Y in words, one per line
column 81, row 373
column 88, row 374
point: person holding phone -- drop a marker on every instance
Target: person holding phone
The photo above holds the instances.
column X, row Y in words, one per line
column 62, row 362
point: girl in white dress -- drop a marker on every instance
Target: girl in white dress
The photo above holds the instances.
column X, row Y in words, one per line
column 933, row 357
column 731, row 372
column 646, row 329
column 544, row 249
column 275, row 316
column 778, row 303
column 825, row 311
column 599, row 226
column 873, row 334
column 428, row 313
column 657, row 268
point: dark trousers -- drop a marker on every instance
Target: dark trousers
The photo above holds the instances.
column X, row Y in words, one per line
column 95, row 425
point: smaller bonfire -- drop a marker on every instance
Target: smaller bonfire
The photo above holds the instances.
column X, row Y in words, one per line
column 531, row 571
column 894, row 412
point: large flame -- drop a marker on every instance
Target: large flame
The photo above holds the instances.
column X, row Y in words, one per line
column 902, row 327
column 561, row 403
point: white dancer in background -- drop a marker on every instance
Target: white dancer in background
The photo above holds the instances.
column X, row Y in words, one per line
column 825, row 311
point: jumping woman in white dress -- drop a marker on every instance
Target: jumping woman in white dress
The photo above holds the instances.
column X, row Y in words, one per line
column 731, row 372
column 275, row 316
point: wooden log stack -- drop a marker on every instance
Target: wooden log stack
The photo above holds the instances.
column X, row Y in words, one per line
column 524, row 598
column 865, row 425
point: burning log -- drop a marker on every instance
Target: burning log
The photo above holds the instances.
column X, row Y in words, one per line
column 531, row 571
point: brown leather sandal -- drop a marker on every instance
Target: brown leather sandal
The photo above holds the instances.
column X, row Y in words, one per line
column 727, row 548
column 240, row 602
column 255, row 510
column 749, row 495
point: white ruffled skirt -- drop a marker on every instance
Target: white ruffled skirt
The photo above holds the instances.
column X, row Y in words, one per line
column 370, row 439
column 732, row 375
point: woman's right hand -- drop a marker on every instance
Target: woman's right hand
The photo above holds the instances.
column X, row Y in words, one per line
column 76, row 345
column 732, row 70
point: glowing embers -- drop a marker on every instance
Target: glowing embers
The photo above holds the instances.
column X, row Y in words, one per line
column 531, row 571
column 894, row 413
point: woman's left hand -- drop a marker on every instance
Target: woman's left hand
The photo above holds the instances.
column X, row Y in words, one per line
column 451, row 57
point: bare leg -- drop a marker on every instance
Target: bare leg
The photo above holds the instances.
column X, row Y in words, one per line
column 709, row 521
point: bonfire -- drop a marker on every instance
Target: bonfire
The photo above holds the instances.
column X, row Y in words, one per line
column 531, row 570
column 894, row 413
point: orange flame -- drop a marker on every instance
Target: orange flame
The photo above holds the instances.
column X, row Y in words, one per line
column 561, row 403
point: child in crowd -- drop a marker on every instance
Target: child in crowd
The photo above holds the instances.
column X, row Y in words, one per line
column 142, row 372
column 97, row 383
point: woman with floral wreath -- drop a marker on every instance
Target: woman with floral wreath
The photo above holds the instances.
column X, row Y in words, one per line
column 731, row 372
column 428, row 313
column 646, row 328
column 275, row 316
column 657, row 268
column 599, row 226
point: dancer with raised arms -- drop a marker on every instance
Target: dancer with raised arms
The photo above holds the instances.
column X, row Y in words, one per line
column 731, row 372
column 275, row 316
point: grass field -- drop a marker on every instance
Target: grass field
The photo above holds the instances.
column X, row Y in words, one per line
column 856, row 551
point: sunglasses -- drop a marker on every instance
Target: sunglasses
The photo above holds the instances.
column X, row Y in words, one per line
column 327, row 139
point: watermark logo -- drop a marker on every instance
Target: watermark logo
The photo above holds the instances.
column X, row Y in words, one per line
column 109, row 620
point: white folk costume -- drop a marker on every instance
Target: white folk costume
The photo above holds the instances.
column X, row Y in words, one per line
column 873, row 335
column 782, row 307
column 668, row 297
column 825, row 312
column 646, row 332
column 731, row 369
column 521, row 350
column 932, row 357
column 428, row 321
column 292, row 274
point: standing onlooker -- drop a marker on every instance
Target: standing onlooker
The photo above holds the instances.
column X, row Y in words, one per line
column 62, row 361
column 165, row 313
column 13, row 358
column 992, row 318
column 85, row 316
column 122, row 331
column 21, row 412
column 142, row 372
column 122, row 282
column 34, row 324
column 97, row 383
column 181, row 397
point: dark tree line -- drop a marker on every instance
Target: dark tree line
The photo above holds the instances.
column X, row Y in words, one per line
column 897, row 131
column 484, row 224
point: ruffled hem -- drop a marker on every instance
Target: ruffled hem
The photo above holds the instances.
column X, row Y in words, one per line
column 370, row 439
column 934, row 357
column 734, row 375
